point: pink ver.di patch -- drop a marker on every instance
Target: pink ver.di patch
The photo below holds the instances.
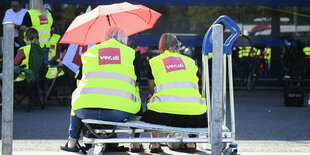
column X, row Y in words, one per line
column 173, row 64
column 109, row 56
column 43, row 20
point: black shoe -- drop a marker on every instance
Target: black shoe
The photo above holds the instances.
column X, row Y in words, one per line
column 135, row 150
column 155, row 150
column 66, row 148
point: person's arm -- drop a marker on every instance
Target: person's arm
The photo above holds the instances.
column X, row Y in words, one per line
column 136, row 64
column 26, row 23
column 78, row 75
column 20, row 56
column 150, row 81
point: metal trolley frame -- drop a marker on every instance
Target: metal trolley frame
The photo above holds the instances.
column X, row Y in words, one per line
column 218, row 133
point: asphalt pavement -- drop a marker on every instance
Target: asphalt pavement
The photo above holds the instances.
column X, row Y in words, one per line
column 263, row 126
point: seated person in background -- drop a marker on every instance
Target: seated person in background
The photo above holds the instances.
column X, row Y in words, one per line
column 23, row 54
column 175, row 101
column 108, row 90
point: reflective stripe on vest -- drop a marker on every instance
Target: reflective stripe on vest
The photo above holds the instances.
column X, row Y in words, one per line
column 108, row 83
column 21, row 77
column 107, row 91
column 44, row 32
column 51, row 54
column 176, row 90
column 44, row 39
column 178, row 99
column 43, row 25
column 110, row 75
column 176, row 85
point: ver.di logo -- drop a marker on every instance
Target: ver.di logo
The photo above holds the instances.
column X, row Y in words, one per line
column 43, row 20
column 109, row 56
column 173, row 64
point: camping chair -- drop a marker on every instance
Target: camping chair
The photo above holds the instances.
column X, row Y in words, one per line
column 31, row 86
column 62, row 87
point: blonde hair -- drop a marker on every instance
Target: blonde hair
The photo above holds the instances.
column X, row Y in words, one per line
column 116, row 33
column 32, row 36
column 169, row 42
column 37, row 5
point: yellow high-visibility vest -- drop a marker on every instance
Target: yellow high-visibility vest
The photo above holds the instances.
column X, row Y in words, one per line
column 108, row 79
column 53, row 46
column 52, row 72
column 43, row 25
column 244, row 51
column 177, row 90
column 25, row 62
column 268, row 55
column 307, row 51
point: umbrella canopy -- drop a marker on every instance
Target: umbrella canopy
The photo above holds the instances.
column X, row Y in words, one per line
column 90, row 27
column 259, row 28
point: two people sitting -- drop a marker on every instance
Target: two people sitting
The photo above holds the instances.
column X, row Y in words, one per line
column 108, row 88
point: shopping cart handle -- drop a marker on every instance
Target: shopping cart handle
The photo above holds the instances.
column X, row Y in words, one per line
column 235, row 32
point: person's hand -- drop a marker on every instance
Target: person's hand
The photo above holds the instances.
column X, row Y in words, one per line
column 148, row 99
column 60, row 63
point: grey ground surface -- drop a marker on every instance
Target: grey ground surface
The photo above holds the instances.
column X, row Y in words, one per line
column 264, row 126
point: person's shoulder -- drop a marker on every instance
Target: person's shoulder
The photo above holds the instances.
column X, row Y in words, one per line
column 157, row 57
column 9, row 11
column 23, row 48
column 114, row 41
column 23, row 10
column 48, row 12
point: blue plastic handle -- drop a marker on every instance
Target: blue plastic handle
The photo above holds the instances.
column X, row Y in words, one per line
column 235, row 32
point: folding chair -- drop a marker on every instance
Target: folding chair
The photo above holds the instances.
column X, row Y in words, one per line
column 31, row 86
column 59, row 86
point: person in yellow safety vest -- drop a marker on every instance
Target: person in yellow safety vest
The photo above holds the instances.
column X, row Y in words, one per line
column 244, row 51
column 174, row 98
column 53, row 57
column 307, row 52
column 108, row 89
column 39, row 18
column 54, row 50
column 266, row 52
column 23, row 54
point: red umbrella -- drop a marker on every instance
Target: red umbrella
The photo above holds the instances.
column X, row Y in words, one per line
column 90, row 27
column 259, row 28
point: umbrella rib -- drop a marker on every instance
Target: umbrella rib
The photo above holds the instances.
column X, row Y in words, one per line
column 89, row 29
column 140, row 17
column 113, row 19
